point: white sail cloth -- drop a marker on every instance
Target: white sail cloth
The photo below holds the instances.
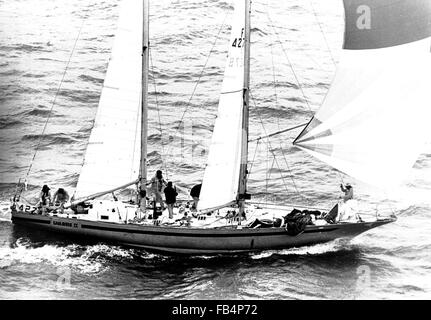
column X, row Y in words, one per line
column 113, row 154
column 374, row 121
column 221, row 179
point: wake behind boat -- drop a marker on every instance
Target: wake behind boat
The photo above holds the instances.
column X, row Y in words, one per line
column 345, row 133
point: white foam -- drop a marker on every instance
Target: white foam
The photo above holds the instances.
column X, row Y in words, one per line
column 67, row 257
column 317, row 249
column 4, row 211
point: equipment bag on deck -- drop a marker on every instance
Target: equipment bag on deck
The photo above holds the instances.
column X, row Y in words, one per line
column 296, row 222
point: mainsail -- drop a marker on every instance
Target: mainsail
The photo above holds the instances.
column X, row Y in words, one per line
column 221, row 178
column 113, row 154
column 374, row 121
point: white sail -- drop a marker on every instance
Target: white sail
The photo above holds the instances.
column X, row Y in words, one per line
column 113, row 153
column 374, row 121
column 221, row 178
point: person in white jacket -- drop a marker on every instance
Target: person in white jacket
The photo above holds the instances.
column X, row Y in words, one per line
column 348, row 192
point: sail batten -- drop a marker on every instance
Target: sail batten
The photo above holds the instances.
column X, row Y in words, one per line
column 373, row 122
column 221, row 178
column 113, row 151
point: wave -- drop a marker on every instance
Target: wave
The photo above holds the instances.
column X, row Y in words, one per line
column 159, row 75
column 322, row 85
column 156, row 137
column 50, row 139
column 223, row 5
column 82, row 96
column 11, row 72
column 5, row 209
column 24, row 253
column 315, row 250
column 91, row 79
column 81, row 258
column 160, row 93
column 258, row 31
column 21, row 47
column 279, row 84
column 290, row 112
column 9, row 123
column 34, row 75
column 42, row 111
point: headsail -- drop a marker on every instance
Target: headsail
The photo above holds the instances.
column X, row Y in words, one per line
column 374, row 121
column 113, row 153
column 221, row 178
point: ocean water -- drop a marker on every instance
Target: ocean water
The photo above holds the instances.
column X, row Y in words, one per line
column 295, row 47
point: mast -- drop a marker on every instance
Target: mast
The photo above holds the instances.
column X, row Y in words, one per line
column 144, row 101
column 242, row 194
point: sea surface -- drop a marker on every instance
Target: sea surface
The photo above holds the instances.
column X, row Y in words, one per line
column 295, row 48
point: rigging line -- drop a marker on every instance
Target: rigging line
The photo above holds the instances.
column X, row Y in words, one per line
column 269, row 142
column 288, row 60
column 268, row 176
column 158, row 113
column 278, row 125
column 34, row 204
column 279, row 169
column 199, row 78
column 254, row 157
column 304, row 52
column 274, row 78
column 55, row 100
column 291, row 175
column 337, row 172
column 332, row 58
column 268, row 172
column 275, row 158
column 323, row 33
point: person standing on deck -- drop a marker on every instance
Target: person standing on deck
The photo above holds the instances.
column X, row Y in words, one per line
column 45, row 198
column 157, row 186
column 195, row 193
column 348, row 192
column 348, row 210
column 142, row 201
column 171, row 198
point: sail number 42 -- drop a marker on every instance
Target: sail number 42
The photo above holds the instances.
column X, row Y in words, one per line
column 238, row 42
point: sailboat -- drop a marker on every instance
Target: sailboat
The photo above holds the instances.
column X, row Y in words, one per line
column 356, row 131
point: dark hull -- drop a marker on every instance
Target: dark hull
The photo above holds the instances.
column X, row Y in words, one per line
column 196, row 241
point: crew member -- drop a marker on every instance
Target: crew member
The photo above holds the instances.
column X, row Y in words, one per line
column 142, row 200
column 171, row 198
column 348, row 192
column 61, row 197
column 195, row 193
column 45, row 197
column 158, row 184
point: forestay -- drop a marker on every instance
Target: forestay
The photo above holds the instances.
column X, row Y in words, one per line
column 374, row 121
column 113, row 153
column 221, row 178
